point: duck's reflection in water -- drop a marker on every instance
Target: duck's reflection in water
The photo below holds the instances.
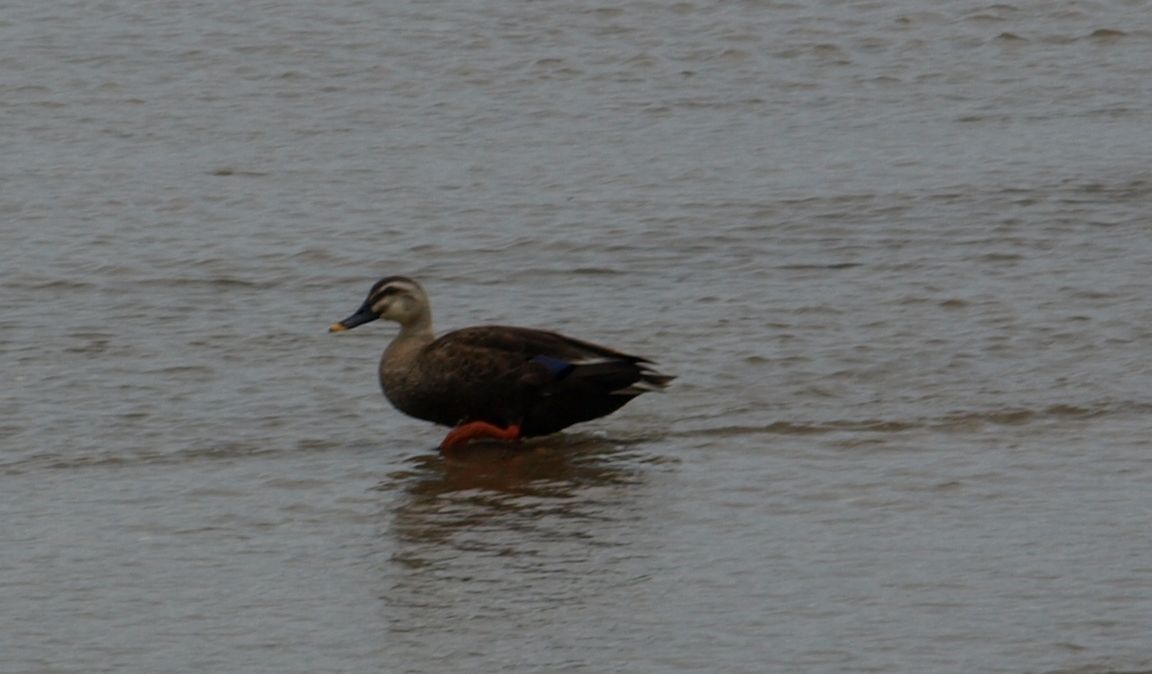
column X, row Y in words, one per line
column 497, row 533
column 568, row 477
column 555, row 466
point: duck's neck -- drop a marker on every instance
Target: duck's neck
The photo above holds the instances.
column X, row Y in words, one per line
column 414, row 334
column 419, row 330
column 402, row 356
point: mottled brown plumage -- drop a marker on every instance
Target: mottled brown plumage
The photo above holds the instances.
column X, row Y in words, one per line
column 533, row 382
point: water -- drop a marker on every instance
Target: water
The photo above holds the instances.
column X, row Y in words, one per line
column 896, row 252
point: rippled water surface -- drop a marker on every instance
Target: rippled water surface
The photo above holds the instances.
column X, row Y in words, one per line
column 897, row 253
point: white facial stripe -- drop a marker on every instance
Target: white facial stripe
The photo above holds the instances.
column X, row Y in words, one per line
column 383, row 297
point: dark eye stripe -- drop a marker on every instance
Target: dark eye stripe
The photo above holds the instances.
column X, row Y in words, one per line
column 382, row 293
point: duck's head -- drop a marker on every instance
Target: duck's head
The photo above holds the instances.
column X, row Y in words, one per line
column 393, row 298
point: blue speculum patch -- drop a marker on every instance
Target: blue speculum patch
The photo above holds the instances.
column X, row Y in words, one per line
column 556, row 367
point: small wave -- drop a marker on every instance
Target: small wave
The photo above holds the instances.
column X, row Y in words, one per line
column 575, row 271
column 209, row 282
column 1106, row 34
column 835, row 266
column 224, row 451
column 1101, row 668
column 51, row 284
column 954, row 422
column 226, row 171
column 812, row 428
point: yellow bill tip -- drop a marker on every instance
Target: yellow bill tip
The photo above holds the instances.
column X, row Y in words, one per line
column 337, row 327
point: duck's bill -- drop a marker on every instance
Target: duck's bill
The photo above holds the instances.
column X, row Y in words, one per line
column 363, row 315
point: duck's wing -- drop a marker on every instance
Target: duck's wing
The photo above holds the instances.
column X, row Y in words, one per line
column 550, row 353
column 545, row 379
column 531, row 342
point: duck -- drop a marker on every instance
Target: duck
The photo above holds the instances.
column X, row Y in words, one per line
column 495, row 382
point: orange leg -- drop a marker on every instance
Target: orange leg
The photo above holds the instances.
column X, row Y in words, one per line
column 475, row 430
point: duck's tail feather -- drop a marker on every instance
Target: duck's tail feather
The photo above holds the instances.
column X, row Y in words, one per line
column 627, row 376
column 619, row 376
column 650, row 381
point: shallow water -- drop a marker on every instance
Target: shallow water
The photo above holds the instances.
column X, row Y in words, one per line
column 897, row 254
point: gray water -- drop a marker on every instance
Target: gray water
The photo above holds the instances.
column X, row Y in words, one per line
column 897, row 253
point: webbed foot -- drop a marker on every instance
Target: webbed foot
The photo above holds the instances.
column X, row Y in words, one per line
column 465, row 433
